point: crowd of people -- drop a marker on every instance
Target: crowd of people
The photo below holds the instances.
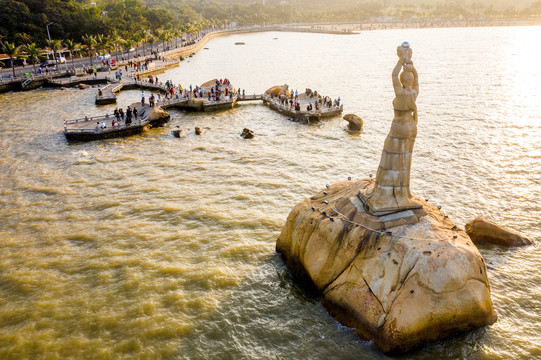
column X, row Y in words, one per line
column 127, row 116
column 221, row 90
column 311, row 99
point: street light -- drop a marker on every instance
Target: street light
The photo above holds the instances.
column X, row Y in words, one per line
column 49, row 34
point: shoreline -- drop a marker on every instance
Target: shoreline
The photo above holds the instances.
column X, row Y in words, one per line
column 384, row 24
column 347, row 28
column 335, row 28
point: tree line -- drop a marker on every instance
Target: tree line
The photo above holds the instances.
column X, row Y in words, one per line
column 105, row 25
column 71, row 19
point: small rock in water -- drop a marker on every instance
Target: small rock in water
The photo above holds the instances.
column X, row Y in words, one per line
column 199, row 131
column 247, row 134
column 355, row 122
column 178, row 133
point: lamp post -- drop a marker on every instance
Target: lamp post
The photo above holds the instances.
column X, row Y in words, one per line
column 49, row 34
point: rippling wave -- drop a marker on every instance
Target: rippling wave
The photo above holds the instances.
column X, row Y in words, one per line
column 156, row 247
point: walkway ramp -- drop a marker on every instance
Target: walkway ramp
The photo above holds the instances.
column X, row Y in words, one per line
column 249, row 97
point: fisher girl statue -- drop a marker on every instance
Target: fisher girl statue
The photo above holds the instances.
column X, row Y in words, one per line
column 391, row 191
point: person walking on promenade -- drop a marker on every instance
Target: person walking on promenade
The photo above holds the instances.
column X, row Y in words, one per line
column 135, row 112
column 121, row 112
column 117, row 114
column 143, row 98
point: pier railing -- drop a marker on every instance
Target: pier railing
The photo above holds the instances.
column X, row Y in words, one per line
column 34, row 77
column 96, row 128
column 157, row 66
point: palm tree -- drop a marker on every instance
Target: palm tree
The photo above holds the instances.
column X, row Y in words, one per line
column 144, row 38
column 137, row 39
column 116, row 40
column 151, row 40
column 128, row 44
column 33, row 53
column 12, row 51
column 72, row 46
column 168, row 37
column 90, row 42
column 162, row 35
column 177, row 33
column 103, row 43
column 55, row 46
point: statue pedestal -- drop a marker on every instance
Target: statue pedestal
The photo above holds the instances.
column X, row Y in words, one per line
column 379, row 220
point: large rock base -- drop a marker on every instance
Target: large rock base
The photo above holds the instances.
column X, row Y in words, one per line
column 400, row 280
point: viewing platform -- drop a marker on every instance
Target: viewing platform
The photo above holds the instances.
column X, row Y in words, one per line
column 107, row 94
column 214, row 95
column 101, row 127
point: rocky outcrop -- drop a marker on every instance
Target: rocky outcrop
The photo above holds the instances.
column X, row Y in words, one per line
column 355, row 122
column 400, row 279
column 197, row 103
column 209, row 83
column 277, row 90
column 482, row 232
column 156, row 115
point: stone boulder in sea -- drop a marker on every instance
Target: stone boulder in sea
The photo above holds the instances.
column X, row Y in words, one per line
column 247, row 134
column 355, row 123
column 482, row 231
column 401, row 279
column 178, row 133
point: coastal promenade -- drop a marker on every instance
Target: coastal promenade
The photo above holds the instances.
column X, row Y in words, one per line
column 73, row 77
column 192, row 49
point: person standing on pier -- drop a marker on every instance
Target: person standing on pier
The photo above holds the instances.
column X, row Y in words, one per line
column 143, row 98
column 128, row 116
column 121, row 112
column 135, row 112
